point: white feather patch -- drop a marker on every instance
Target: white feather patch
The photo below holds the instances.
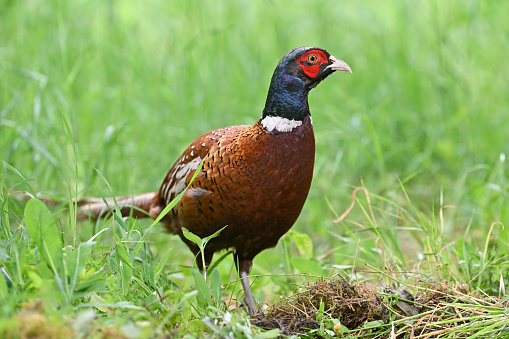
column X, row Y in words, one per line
column 280, row 124
column 178, row 182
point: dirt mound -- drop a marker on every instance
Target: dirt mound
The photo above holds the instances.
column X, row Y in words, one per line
column 353, row 304
column 362, row 309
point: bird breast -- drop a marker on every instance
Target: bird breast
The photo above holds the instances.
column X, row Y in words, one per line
column 253, row 180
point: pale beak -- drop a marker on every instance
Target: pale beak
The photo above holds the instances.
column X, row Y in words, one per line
column 338, row 65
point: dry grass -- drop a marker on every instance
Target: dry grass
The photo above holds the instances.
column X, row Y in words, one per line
column 366, row 311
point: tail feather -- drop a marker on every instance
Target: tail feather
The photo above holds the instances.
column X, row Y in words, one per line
column 94, row 208
column 136, row 205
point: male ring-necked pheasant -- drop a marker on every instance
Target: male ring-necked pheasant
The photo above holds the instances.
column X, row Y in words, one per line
column 254, row 179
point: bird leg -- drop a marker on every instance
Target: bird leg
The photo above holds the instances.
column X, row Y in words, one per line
column 244, row 266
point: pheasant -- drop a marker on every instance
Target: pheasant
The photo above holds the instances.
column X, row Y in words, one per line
column 254, row 179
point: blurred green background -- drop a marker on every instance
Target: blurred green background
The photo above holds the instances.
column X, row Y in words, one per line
column 427, row 105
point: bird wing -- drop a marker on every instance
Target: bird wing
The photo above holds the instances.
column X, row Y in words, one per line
column 183, row 170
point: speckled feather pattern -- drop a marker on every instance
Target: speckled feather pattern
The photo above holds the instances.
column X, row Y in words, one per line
column 252, row 180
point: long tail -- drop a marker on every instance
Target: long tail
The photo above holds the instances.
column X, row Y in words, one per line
column 94, row 208
column 136, row 205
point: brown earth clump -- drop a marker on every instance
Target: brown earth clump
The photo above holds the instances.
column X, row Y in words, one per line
column 353, row 304
column 435, row 310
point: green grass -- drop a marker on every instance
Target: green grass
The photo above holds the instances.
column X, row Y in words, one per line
column 117, row 89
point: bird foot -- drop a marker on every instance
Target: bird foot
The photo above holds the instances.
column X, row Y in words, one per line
column 248, row 296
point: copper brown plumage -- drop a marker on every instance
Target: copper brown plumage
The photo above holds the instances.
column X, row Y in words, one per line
column 258, row 203
column 254, row 179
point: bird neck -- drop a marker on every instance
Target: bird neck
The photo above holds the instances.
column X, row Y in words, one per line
column 287, row 98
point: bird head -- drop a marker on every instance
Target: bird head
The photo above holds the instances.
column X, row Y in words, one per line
column 299, row 71
column 310, row 65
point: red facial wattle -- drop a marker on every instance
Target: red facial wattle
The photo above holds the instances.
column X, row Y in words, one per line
column 311, row 61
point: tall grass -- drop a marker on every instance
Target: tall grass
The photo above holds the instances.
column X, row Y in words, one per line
column 117, row 89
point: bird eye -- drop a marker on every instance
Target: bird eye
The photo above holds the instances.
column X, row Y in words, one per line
column 312, row 58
